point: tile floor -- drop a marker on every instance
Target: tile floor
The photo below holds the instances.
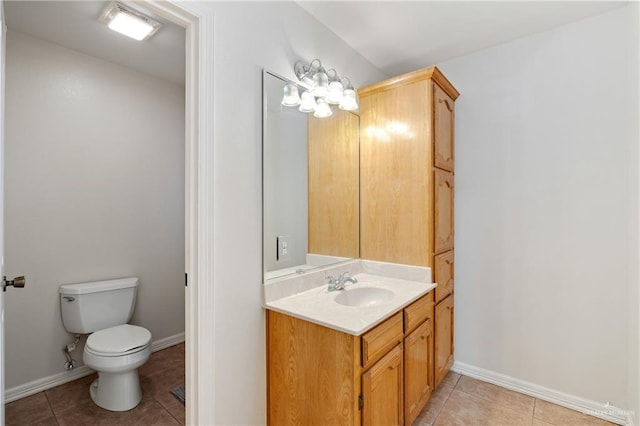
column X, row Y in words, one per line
column 70, row 404
column 461, row 400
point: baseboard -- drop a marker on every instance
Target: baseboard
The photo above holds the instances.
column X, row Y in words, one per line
column 39, row 385
column 592, row 408
column 158, row 345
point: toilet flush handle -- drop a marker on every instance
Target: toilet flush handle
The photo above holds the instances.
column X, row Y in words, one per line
column 69, row 298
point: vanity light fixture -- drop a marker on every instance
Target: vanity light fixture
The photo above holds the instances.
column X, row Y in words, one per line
column 291, row 96
column 322, row 109
column 324, row 88
column 129, row 22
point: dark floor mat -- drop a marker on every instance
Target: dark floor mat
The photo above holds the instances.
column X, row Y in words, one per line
column 178, row 392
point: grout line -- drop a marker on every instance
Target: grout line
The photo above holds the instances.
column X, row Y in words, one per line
column 445, row 400
column 55, row 417
column 496, row 403
column 457, row 381
column 167, row 411
column 176, row 419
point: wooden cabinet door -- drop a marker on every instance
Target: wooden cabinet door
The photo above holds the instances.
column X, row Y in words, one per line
column 382, row 391
column 443, row 211
column 443, row 109
column 443, row 338
column 418, row 370
column 443, row 271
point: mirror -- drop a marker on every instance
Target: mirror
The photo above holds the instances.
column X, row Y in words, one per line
column 310, row 185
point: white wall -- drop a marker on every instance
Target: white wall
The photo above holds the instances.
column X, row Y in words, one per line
column 248, row 37
column 94, row 190
column 546, row 205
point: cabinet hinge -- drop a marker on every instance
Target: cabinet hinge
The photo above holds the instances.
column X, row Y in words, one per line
column 186, row 279
column 360, row 402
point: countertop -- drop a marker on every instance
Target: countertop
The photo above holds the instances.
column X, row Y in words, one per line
column 318, row 305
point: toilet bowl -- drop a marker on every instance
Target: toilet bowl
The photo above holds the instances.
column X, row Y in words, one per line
column 114, row 348
column 116, row 353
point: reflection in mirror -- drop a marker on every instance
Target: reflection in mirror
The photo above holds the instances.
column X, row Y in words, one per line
column 310, row 185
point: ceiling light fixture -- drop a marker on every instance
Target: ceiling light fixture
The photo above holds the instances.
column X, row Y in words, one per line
column 129, row 22
column 324, row 88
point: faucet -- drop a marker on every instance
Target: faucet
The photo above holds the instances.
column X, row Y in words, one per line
column 337, row 284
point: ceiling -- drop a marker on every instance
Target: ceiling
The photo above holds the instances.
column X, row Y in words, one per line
column 399, row 36
column 74, row 24
column 396, row 36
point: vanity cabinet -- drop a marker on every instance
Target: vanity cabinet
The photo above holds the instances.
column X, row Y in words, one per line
column 321, row 376
column 407, row 185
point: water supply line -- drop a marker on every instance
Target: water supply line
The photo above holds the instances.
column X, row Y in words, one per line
column 71, row 363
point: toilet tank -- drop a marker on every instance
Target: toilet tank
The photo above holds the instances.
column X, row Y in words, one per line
column 93, row 306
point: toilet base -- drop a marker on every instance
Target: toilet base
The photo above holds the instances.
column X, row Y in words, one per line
column 116, row 391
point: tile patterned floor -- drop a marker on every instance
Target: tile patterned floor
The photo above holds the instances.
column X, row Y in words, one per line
column 461, row 400
column 70, row 404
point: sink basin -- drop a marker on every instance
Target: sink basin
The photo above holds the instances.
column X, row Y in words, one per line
column 364, row 296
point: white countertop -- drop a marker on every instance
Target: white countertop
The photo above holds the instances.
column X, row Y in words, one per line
column 318, row 306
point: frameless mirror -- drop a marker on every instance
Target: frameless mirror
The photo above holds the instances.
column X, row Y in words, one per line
column 310, row 184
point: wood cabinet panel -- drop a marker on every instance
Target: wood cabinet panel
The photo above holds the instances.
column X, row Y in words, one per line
column 333, row 184
column 443, row 119
column 418, row 370
column 443, row 211
column 418, row 312
column 443, row 338
column 443, row 273
column 382, row 391
column 311, row 384
column 383, row 337
column 395, row 148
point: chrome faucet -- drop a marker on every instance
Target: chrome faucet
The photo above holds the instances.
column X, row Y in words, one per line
column 337, row 284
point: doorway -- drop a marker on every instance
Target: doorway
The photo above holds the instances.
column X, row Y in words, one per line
column 51, row 155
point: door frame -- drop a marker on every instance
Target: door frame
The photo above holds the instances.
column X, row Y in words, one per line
column 3, row 38
column 197, row 20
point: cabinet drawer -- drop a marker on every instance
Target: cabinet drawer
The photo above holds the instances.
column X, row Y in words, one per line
column 377, row 342
column 444, row 274
column 417, row 312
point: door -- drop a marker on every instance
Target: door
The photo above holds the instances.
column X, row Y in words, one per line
column 444, row 338
column 443, row 211
column 382, row 391
column 3, row 30
column 443, row 107
column 418, row 370
column 443, row 270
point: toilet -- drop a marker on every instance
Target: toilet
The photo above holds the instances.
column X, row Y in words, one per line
column 114, row 348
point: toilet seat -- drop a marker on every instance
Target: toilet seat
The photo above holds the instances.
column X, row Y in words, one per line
column 117, row 341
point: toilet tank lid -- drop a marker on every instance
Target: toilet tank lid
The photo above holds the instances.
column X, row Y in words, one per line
column 98, row 286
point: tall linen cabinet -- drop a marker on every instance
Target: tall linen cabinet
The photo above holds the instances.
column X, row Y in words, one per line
column 407, row 185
